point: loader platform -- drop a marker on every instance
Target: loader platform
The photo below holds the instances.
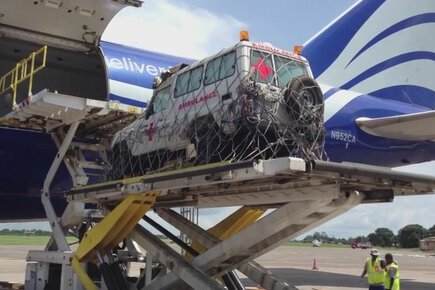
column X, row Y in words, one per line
column 278, row 199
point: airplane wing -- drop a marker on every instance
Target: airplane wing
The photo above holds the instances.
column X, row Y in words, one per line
column 72, row 24
column 416, row 126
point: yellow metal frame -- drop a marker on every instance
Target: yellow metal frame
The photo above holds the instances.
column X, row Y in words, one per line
column 231, row 225
column 23, row 70
column 82, row 275
column 111, row 231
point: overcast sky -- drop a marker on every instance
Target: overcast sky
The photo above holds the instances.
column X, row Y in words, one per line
column 197, row 28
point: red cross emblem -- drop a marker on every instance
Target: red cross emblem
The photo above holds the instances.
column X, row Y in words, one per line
column 150, row 131
column 262, row 68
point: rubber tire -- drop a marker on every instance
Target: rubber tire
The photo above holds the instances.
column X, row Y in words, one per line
column 204, row 145
column 295, row 89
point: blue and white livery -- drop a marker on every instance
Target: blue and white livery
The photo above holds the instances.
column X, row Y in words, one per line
column 375, row 65
column 131, row 72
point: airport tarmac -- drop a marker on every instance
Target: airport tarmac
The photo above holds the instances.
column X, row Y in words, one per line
column 339, row 268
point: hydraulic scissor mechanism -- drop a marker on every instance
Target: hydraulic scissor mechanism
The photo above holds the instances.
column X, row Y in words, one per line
column 278, row 199
column 97, row 243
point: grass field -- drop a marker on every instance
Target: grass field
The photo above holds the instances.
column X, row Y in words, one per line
column 28, row 240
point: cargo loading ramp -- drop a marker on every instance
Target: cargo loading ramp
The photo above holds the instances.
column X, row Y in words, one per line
column 261, row 182
column 301, row 195
column 46, row 111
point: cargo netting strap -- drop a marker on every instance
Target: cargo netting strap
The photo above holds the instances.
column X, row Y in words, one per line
column 218, row 112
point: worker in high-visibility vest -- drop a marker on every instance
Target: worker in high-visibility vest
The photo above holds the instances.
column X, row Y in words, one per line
column 392, row 277
column 375, row 270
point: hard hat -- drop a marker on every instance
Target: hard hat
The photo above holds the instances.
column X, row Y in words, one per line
column 374, row 252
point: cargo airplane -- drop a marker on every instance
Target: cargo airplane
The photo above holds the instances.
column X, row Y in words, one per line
column 375, row 65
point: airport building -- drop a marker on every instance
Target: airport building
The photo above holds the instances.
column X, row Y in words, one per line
column 427, row 244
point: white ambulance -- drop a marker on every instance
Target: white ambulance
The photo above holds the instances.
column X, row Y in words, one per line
column 249, row 101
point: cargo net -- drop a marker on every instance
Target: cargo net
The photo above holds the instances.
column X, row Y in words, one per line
column 217, row 111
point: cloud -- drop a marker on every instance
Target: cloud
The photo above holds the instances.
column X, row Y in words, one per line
column 177, row 29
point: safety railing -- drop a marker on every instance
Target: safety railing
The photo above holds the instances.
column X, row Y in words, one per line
column 23, row 70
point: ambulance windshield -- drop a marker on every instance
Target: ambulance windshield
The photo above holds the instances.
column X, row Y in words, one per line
column 275, row 69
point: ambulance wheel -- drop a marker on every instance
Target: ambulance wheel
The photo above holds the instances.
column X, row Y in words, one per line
column 303, row 96
column 205, row 134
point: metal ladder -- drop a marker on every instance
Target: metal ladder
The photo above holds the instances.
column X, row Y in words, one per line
column 24, row 70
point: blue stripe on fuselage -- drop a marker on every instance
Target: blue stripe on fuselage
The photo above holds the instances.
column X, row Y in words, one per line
column 330, row 92
column 324, row 49
column 409, row 94
column 136, row 66
column 404, row 24
column 396, row 60
column 127, row 101
column 369, row 149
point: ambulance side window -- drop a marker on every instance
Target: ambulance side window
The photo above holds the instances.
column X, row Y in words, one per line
column 228, row 65
column 188, row 81
column 212, row 71
column 220, row 68
column 161, row 99
column 159, row 102
column 195, row 79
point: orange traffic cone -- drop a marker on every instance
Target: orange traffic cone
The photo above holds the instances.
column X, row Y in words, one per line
column 315, row 265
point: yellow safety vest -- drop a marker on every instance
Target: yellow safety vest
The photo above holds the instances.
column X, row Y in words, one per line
column 375, row 273
column 396, row 283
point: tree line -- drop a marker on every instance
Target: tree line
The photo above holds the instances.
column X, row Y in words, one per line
column 407, row 237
